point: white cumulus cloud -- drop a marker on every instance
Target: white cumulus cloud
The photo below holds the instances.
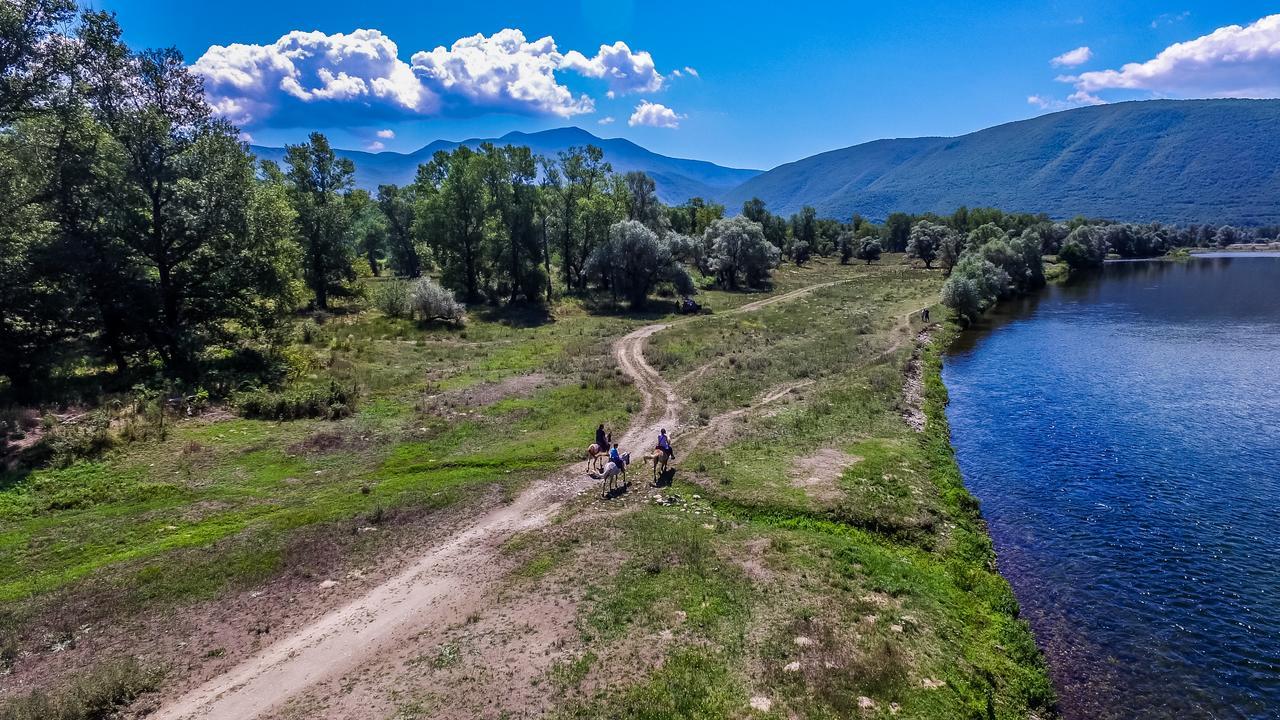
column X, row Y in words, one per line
column 246, row 83
column 624, row 71
column 376, row 146
column 1232, row 61
column 1072, row 58
column 606, row 120
column 308, row 78
column 503, row 72
column 387, row 134
column 654, row 115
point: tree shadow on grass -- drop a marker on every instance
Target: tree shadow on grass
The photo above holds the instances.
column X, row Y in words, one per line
column 519, row 315
column 655, row 309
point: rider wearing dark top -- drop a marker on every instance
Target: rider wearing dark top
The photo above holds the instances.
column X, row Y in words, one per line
column 602, row 439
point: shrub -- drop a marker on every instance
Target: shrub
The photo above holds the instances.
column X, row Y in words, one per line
column 740, row 251
column 392, row 298
column 430, row 301
column 1085, row 247
column 312, row 402
column 869, row 250
column 635, row 259
column 83, row 438
column 98, row 694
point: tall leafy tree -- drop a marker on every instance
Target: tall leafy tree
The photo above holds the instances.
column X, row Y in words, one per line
column 33, row 54
column 515, row 246
column 642, row 201
column 397, row 205
column 368, row 228
column 585, row 214
column 897, row 232
column 454, row 211
column 318, row 180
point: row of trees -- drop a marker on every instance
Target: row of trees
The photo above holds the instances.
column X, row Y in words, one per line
column 137, row 230
column 1004, row 257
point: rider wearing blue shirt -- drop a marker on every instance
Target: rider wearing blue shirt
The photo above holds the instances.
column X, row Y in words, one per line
column 614, row 457
column 664, row 444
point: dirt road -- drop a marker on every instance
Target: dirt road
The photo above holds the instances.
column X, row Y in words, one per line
column 432, row 592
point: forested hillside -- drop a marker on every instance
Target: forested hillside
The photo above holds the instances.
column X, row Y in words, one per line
column 1187, row 161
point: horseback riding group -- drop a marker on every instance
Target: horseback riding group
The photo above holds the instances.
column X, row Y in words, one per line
column 611, row 463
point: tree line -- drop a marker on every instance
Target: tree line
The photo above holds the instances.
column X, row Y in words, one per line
column 137, row 231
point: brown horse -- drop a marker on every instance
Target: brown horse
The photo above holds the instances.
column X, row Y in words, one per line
column 659, row 458
column 596, row 456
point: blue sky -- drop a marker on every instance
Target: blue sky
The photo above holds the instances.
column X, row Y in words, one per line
column 774, row 81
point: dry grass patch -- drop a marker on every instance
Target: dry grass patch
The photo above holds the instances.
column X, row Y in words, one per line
column 818, row 474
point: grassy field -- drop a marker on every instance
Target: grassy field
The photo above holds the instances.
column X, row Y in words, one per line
column 815, row 557
column 872, row 593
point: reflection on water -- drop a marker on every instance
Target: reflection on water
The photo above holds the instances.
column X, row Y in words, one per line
column 1123, row 435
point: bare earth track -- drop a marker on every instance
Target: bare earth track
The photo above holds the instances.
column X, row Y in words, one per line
column 436, row 588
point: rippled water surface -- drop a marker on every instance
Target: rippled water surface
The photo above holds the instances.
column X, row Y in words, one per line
column 1123, row 436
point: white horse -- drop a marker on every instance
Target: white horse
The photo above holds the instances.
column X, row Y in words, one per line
column 613, row 471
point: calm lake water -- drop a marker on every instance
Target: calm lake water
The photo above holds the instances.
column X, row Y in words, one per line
column 1123, row 436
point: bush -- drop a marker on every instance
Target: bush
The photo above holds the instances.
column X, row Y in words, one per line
column 635, row 260
column 740, row 251
column 974, row 285
column 869, row 250
column 99, row 694
column 430, row 301
column 333, row 402
column 84, row 438
column 392, row 298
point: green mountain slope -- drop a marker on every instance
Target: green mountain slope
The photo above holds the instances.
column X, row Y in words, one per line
column 1204, row 161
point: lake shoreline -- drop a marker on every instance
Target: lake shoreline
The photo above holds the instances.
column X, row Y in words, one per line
column 950, row 481
column 1143, row 574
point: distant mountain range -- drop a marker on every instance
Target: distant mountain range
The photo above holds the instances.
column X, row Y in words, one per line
column 1179, row 161
column 677, row 179
column 1176, row 161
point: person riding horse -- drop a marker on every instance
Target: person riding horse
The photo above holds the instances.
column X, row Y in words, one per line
column 616, row 458
column 602, row 438
column 664, row 444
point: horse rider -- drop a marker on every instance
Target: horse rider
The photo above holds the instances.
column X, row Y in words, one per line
column 602, row 438
column 615, row 457
column 664, row 444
